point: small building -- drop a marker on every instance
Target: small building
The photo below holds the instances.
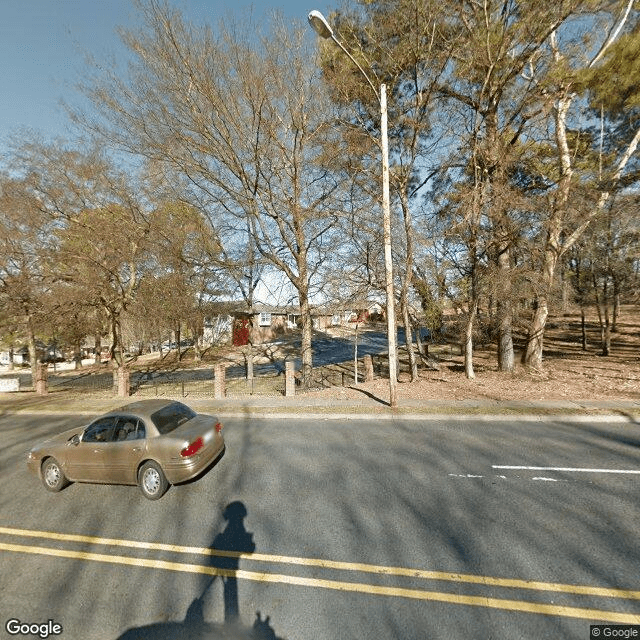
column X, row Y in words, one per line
column 347, row 316
column 267, row 323
column 263, row 324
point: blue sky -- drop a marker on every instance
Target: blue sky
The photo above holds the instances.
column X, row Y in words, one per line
column 43, row 44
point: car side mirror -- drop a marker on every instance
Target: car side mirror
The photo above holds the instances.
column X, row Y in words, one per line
column 75, row 440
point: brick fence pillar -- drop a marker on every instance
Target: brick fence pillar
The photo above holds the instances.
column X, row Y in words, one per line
column 368, row 368
column 219, row 383
column 41, row 378
column 289, row 378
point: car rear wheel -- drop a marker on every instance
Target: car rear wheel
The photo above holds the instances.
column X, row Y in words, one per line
column 152, row 481
column 53, row 477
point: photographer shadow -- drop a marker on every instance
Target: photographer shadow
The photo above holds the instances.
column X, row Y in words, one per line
column 229, row 545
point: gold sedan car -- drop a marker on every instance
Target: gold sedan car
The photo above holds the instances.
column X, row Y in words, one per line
column 151, row 443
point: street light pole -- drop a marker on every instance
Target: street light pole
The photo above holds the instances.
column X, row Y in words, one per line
column 324, row 30
column 388, row 259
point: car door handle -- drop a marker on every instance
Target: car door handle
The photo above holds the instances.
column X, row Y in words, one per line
column 136, row 449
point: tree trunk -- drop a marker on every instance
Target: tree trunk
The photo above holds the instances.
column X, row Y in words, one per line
column 33, row 352
column 408, row 332
column 533, row 354
column 406, row 284
column 423, row 349
column 307, row 327
column 97, row 348
column 616, row 309
column 505, row 312
column 606, row 345
column 565, row 289
column 77, row 357
column 553, row 245
column 583, row 328
column 178, row 337
column 197, row 349
column 468, row 341
column 31, row 343
column 115, row 350
column 505, row 336
column 605, row 326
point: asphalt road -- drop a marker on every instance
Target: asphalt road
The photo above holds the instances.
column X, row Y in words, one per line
column 336, row 529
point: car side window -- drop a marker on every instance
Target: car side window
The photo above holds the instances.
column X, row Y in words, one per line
column 141, row 433
column 101, row 430
column 129, row 428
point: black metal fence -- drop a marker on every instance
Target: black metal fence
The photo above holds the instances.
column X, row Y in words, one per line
column 88, row 382
column 202, row 383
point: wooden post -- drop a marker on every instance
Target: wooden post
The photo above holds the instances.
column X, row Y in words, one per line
column 41, row 379
column 219, row 383
column 368, row 368
column 289, row 378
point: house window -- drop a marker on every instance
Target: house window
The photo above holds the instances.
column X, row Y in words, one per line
column 335, row 319
column 265, row 319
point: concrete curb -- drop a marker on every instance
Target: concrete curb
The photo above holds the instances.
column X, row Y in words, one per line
column 432, row 417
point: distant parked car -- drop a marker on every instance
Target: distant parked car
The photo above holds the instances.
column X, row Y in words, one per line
column 151, row 443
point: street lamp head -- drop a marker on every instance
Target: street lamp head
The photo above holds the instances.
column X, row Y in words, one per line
column 320, row 24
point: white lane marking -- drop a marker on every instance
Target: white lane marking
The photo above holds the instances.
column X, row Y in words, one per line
column 501, row 477
column 576, row 469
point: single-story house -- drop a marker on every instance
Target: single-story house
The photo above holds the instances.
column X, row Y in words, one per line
column 347, row 315
column 263, row 324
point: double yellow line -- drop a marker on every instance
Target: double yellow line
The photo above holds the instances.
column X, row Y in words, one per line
column 337, row 585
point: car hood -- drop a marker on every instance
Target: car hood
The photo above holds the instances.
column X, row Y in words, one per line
column 59, row 439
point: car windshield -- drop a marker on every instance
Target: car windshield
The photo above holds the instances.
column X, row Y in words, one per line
column 171, row 417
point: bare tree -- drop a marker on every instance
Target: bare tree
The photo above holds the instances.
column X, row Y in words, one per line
column 562, row 94
column 99, row 228
column 242, row 118
column 25, row 282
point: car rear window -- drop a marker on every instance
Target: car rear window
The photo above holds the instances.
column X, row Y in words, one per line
column 171, row 417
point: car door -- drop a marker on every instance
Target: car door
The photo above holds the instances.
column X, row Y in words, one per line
column 126, row 450
column 85, row 460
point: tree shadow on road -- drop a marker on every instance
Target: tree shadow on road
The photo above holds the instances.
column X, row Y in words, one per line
column 231, row 544
column 370, row 395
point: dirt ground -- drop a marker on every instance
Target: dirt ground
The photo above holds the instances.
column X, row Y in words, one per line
column 569, row 373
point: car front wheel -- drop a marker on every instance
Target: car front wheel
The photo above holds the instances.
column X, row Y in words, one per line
column 152, row 481
column 53, row 477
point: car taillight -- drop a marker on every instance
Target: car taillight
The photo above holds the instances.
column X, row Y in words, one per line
column 218, row 427
column 193, row 448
